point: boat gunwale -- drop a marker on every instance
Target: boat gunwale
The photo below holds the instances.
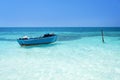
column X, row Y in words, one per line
column 37, row 38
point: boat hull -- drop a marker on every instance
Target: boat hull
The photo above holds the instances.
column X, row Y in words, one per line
column 36, row 41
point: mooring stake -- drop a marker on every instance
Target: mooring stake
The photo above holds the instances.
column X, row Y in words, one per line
column 102, row 36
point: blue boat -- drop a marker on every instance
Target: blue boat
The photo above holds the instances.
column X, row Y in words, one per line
column 47, row 38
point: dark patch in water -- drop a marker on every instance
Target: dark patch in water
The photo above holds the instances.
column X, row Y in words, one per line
column 112, row 34
column 74, row 36
column 4, row 39
column 68, row 38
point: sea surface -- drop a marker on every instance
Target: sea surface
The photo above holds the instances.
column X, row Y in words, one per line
column 78, row 54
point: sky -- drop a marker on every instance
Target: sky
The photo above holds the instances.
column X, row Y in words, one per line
column 59, row 13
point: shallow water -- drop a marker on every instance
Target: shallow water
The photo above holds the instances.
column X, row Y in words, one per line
column 74, row 56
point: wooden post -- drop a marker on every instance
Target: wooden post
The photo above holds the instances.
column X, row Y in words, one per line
column 102, row 36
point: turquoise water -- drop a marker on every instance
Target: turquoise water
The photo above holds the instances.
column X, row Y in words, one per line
column 78, row 54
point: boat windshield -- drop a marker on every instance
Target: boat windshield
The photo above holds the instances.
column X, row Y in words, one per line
column 25, row 37
column 48, row 35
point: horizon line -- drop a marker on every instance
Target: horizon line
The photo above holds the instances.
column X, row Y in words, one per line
column 56, row 26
